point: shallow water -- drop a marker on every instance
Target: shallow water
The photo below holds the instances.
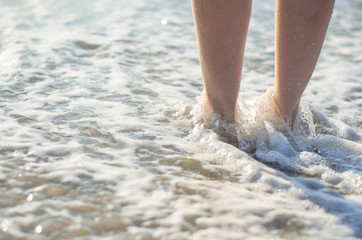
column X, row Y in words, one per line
column 102, row 138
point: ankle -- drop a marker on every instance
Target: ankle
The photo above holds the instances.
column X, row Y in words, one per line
column 282, row 111
column 226, row 111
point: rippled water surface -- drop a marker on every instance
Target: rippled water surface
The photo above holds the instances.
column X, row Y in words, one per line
column 101, row 136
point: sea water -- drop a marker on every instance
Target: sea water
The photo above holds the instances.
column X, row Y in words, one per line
column 102, row 135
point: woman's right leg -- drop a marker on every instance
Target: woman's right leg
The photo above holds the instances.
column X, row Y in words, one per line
column 221, row 29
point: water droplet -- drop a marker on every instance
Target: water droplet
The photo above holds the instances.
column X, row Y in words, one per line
column 5, row 225
column 15, row 153
column 20, row 175
column 164, row 21
column 30, row 197
column 38, row 229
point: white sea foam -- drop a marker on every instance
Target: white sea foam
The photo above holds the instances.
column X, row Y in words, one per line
column 101, row 138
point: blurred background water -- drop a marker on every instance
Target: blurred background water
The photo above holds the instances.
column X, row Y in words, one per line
column 98, row 139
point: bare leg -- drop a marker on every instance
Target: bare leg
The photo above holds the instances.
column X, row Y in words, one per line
column 221, row 28
column 301, row 26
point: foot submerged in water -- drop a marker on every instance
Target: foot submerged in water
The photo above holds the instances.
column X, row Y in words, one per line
column 264, row 118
